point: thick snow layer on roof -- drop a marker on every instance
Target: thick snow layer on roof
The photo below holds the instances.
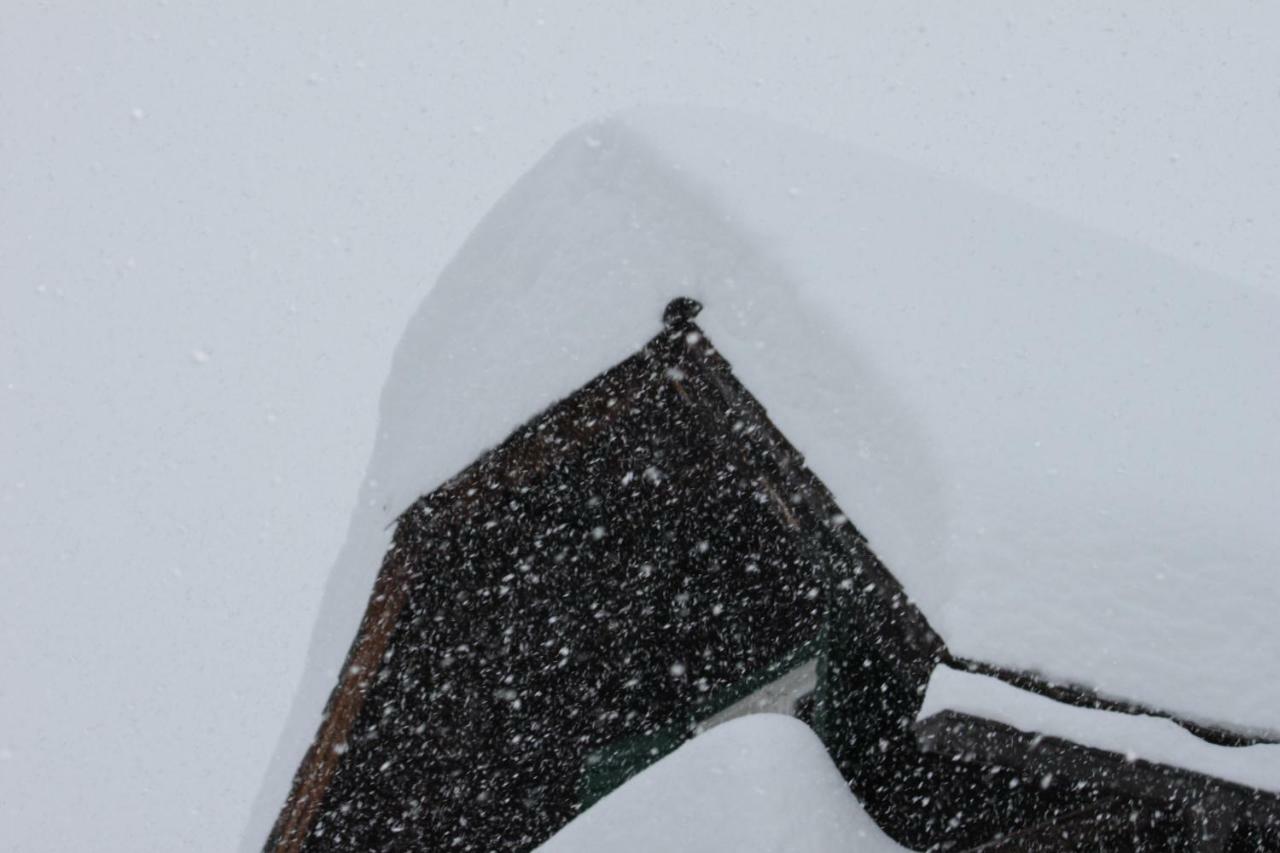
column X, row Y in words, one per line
column 1142, row 737
column 760, row 783
column 1064, row 446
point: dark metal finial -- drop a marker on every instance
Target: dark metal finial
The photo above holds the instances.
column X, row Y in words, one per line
column 680, row 310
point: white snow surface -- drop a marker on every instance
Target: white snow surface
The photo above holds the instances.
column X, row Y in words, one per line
column 216, row 219
column 1065, row 446
column 1136, row 736
column 759, row 784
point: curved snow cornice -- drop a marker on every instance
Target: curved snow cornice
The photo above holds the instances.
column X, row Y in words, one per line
column 1066, row 447
column 759, row 783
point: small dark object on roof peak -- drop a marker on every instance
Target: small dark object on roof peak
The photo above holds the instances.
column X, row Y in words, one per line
column 679, row 311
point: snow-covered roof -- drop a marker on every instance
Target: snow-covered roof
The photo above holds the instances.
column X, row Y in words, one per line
column 1135, row 736
column 1063, row 445
column 759, row 783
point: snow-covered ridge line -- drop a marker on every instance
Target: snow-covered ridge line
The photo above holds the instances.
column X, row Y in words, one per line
column 1153, row 739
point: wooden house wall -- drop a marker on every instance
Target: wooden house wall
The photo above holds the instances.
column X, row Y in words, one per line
column 618, row 561
column 645, row 546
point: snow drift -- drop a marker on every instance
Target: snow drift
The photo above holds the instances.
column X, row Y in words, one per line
column 1066, row 447
column 758, row 784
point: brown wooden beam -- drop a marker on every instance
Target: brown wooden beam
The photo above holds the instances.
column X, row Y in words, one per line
column 321, row 761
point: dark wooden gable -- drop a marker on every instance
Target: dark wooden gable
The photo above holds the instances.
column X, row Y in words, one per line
column 627, row 556
column 617, row 570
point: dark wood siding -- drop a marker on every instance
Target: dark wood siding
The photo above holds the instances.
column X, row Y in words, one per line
column 639, row 548
column 609, row 574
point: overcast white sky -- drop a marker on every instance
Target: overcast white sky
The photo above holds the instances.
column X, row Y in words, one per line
column 215, row 223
